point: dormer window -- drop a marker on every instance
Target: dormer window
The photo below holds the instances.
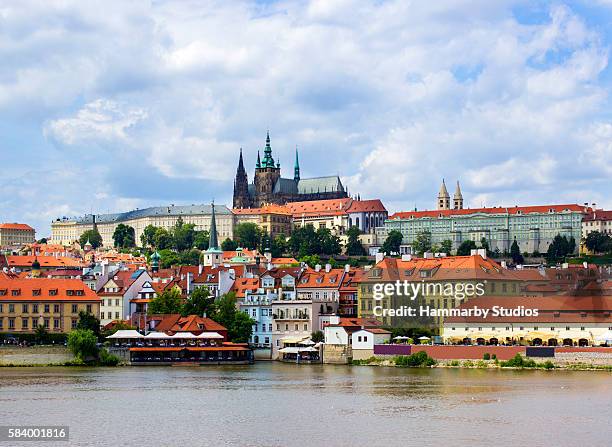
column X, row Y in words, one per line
column 52, row 292
column 36, row 292
column 16, row 292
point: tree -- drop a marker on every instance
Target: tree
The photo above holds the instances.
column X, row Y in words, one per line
column 162, row 239
column 189, row 257
column 182, row 235
column 238, row 324
column 265, row 242
column 201, row 240
column 317, row 336
column 147, row 238
column 248, row 235
column 304, row 241
column 93, row 236
column 42, row 241
column 485, row 244
column 41, row 334
column 598, row 242
column 515, row 253
column 328, row 243
column 241, row 328
column 124, row 236
column 466, row 247
column 228, row 245
column 168, row 258
column 279, row 246
column 83, row 344
column 88, row 321
column 446, row 246
column 392, row 243
column 311, row 260
column 560, row 248
column 354, row 247
column 199, row 303
column 169, row 302
column 422, row 242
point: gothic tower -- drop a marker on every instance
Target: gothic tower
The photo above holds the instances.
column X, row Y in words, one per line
column 458, row 198
column 266, row 176
column 241, row 186
column 296, row 168
column 443, row 198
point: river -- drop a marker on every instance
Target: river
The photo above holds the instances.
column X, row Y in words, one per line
column 274, row 404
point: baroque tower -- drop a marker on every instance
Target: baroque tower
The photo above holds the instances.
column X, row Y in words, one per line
column 458, row 198
column 266, row 176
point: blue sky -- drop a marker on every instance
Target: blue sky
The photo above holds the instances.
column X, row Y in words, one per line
column 132, row 104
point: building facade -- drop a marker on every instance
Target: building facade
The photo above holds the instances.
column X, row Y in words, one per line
column 533, row 227
column 272, row 219
column 66, row 231
column 16, row 235
column 269, row 187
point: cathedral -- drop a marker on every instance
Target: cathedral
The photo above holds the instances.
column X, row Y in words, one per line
column 269, row 187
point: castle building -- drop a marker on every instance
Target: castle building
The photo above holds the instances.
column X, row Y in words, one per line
column 444, row 202
column 269, row 187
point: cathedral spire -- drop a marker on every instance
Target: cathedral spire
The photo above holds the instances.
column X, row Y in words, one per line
column 213, row 241
column 296, row 168
column 458, row 198
column 268, row 161
column 240, row 163
column 443, row 197
column 258, row 165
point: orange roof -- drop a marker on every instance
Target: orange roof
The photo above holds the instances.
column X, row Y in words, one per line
column 284, row 261
column 45, row 261
column 329, row 207
column 266, row 209
column 43, row 288
column 190, row 323
column 360, row 206
column 357, row 323
column 241, row 285
column 543, row 209
column 597, row 215
column 15, row 226
column 321, row 279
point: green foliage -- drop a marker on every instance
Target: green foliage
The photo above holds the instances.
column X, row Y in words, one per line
column 518, row 361
column 354, row 247
column 392, row 243
column 41, row 334
column 446, row 246
column 494, row 356
column 189, row 257
column 328, row 243
column 82, row 343
column 485, row 244
column 168, row 258
column 547, row 365
column 182, row 235
column 169, row 302
column 422, row 242
column 279, row 246
column 304, row 241
column 119, row 326
column 248, row 235
column 93, row 236
column 162, row 239
column 466, row 247
column 454, row 363
column 107, row 359
column 317, row 336
column 228, row 245
column 199, row 303
column 201, row 240
column 418, row 359
column 124, row 236
column 560, row 247
column 311, row 260
column 486, row 356
column 239, row 325
column 89, row 322
column 598, row 242
column 515, row 253
column 147, row 238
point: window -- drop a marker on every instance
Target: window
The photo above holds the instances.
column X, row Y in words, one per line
column 11, row 308
column 296, row 327
column 24, row 308
column 11, row 323
column 359, row 338
column 56, row 323
column 53, row 292
column 46, row 323
column 286, row 327
column 117, row 315
column 73, row 324
column 582, row 328
column 89, row 309
column 305, row 327
column 46, row 308
column 1, row 323
column 36, row 292
column 101, row 315
column 24, row 323
column 16, row 292
column 56, row 308
column 270, row 327
column 567, row 328
column 74, row 308
column 34, row 308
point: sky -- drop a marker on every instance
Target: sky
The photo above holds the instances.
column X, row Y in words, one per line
column 111, row 106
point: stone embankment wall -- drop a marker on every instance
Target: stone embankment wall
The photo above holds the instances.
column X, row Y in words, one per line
column 35, row 355
column 337, row 354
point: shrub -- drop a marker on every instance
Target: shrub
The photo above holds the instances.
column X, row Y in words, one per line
column 82, row 343
column 108, row 359
column 547, row 365
column 454, row 363
column 468, row 364
column 519, row 361
column 494, row 356
column 486, row 356
column 417, row 359
column 481, row 364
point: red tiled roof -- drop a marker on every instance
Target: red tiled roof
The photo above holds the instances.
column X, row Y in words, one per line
column 321, row 279
column 15, row 226
column 329, row 207
column 543, row 209
column 360, row 206
column 190, row 323
column 357, row 323
column 44, row 286
column 241, row 285
column 597, row 215
column 44, row 261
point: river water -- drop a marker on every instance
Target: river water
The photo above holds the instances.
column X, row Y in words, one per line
column 274, row 404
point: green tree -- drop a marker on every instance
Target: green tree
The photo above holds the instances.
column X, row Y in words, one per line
column 228, row 245
column 119, row 326
column 466, row 247
column 560, row 248
column 201, row 240
column 93, row 236
column 124, row 236
column 392, row 243
column 279, row 246
column 304, row 241
column 169, row 302
column 328, row 243
column 317, row 336
column 485, row 244
column 311, row 260
column 162, row 239
column 422, row 242
column 248, row 235
column 183, row 235
column 265, row 242
column 354, row 247
column 168, row 258
column 241, row 329
column 83, row 344
column 41, row 334
column 515, row 253
column 446, row 246
column 200, row 302
column 147, row 238
column 238, row 324
column 598, row 242
column 88, row 321
column 189, row 257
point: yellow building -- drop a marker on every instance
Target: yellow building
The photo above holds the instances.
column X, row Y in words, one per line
column 26, row 303
column 273, row 219
column 16, row 234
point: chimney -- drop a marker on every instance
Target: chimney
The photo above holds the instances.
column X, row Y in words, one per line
column 270, row 266
column 504, row 264
column 347, row 268
column 379, row 257
column 189, row 279
column 565, row 265
column 428, row 255
column 327, row 268
column 585, row 264
column 200, row 267
column 483, row 253
column 473, row 252
column 318, row 268
column 406, row 258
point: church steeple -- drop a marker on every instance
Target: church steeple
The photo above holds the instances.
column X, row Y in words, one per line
column 258, row 164
column 213, row 240
column 458, row 198
column 268, row 161
column 241, row 186
column 443, row 197
column 296, row 168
